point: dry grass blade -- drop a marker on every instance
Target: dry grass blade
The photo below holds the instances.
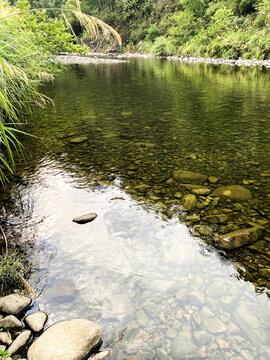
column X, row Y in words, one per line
column 90, row 23
column 68, row 25
column 93, row 26
column 5, row 239
column 27, row 287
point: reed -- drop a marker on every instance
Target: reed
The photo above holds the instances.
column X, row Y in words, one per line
column 24, row 62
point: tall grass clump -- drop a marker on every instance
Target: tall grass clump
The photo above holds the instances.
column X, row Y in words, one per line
column 29, row 39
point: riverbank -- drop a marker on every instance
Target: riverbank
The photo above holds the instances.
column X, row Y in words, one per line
column 95, row 58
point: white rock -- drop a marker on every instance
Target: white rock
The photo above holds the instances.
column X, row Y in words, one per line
column 13, row 304
column 19, row 342
column 214, row 325
column 5, row 338
column 10, row 322
column 102, row 355
column 36, row 321
column 196, row 298
column 66, row 340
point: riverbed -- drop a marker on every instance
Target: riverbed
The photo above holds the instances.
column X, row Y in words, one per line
column 147, row 269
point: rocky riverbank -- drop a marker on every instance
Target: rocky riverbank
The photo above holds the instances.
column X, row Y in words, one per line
column 96, row 58
column 22, row 332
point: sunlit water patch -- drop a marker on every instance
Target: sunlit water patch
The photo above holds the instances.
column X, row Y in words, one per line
column 142, row 270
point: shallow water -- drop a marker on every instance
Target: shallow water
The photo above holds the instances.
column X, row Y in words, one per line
column 150, row 277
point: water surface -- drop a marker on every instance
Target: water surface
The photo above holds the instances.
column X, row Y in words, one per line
column 149, row 276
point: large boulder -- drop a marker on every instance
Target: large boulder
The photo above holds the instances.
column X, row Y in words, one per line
column 66, row 340
column 188, row 177
column 13, row 304
column 238, row 238
column 233, row 192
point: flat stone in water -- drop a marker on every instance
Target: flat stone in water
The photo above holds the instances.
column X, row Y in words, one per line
column 36, row 321
column 233, row 192
column 189, row 177
column 184, row 348
column 78, row 140
column 102, row 355
column 13, row 304
column 201, row 191
column 161, row 178
column 85, row 218
column 216, row 219
column 214, row 325
column 66, row 340
column 19, row 342
column 239, row 238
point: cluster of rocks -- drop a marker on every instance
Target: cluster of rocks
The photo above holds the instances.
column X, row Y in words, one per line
column 213, row 206
column 65, row 340
column 192, row 59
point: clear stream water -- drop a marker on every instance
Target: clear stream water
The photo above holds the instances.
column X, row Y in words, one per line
column 143, row 270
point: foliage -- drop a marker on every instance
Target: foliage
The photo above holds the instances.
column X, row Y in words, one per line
column 10, row 266
column 217, row 28
column 4, row 354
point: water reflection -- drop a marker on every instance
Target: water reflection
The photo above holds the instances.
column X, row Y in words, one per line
column 152, row 281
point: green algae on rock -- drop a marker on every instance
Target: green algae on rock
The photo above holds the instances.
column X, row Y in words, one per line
column 233, row 192
column 189, row 177
column 239, row 238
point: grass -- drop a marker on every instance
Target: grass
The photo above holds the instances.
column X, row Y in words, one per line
column 10, row 267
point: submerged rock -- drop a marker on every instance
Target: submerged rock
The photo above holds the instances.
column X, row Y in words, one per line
column 102, row 355
column 36, row 321
column 233, row 192
column 19, row 342
column 201, row 191
column 239, row 238
column 66, row 340
column 78, row 139
column 161, row 178
column 189, row 202
column 213, row 179
column 184, row 348
column 189, row 177
column 85, row 218
column 216, row 219
column 13, row 304
column 142, row 188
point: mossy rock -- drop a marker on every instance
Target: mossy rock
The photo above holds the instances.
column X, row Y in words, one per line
column 189, row 202
column 233, row 192
column 78, row 139
column 239, row 238
column 188, row 177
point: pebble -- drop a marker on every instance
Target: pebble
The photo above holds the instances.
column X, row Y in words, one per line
column 83, row 219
